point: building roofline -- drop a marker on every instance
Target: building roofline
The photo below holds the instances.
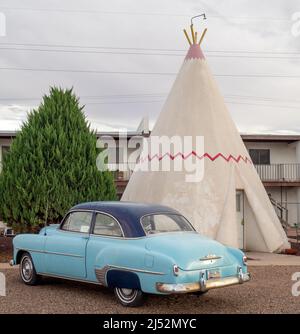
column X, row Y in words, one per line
column 115, row 134
column 245, row 137
column 270, row 138
column 8, row 134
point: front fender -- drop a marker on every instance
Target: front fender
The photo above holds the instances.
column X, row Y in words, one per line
column 34, row 244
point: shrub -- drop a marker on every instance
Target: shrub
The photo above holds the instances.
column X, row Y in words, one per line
column 52, row 165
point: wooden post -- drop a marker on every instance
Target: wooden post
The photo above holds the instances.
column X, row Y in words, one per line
column 193, row 34
column 203, row 34
column 187, row 37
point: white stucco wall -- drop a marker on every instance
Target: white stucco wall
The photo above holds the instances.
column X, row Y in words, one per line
column 280, row 153
column 252, row 234
column 289, row 195
column 298, row 159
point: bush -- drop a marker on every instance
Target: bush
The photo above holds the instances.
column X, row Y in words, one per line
column 51, row 165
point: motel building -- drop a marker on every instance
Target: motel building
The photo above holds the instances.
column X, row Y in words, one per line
column 276, row 158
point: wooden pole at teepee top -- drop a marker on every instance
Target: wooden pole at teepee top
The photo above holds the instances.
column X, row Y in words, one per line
column 202, row 36
column 193, row 34
column 187, row 36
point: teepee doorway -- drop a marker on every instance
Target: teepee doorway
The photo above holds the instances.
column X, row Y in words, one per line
column 240, row 218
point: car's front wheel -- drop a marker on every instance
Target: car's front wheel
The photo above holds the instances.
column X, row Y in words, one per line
column 27, row 270
column 129, row 297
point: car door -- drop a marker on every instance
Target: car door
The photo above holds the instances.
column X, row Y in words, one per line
column 65, row 251
column 103, row 243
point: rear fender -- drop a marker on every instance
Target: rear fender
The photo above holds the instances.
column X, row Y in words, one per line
column 122, row 279
column 238, row 255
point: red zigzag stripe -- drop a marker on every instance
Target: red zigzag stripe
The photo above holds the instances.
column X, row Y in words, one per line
column 205, row 155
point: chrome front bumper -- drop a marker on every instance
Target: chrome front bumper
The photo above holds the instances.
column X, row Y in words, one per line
column 203, row 284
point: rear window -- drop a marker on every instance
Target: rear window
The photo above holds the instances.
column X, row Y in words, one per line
column 162, row 223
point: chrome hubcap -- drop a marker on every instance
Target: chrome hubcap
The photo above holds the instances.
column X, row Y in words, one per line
column 27, row 269
column 126, row 295
column 127, row 292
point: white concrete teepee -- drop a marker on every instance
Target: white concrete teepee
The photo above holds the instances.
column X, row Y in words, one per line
column 230, row 204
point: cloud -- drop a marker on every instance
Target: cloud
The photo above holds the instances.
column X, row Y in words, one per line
column 244, row 25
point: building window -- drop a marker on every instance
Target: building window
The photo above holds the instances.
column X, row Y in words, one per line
column 3, row 152
column 238, row 202
column 260, row 156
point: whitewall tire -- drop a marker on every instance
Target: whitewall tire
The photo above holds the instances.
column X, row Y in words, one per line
column 129, row 297
column 27, row 270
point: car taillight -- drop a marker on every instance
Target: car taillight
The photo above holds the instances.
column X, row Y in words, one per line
column 175, row 270
column 245, row 259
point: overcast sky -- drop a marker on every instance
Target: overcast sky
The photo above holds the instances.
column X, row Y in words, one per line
column 245, row 37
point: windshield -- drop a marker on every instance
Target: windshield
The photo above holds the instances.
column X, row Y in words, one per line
column 161, row 223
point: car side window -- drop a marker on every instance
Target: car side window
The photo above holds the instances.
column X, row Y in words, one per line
column 78, row 222
column 107, row 225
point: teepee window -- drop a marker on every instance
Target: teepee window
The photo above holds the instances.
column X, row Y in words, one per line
column 238, row 202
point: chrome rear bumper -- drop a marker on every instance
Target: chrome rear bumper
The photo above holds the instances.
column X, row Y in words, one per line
column 203, row 284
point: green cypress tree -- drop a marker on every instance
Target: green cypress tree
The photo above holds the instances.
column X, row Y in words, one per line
column 51, row 165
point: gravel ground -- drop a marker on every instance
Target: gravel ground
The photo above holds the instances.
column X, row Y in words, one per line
column 269, row 291
column 5, row 249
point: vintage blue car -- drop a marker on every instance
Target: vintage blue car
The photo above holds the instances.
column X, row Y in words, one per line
column 134, row 248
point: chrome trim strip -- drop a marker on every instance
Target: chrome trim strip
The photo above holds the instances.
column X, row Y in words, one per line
column 110, row 236
column 210, row 257
column 30, row 250
column 64, row 254
column 101, row 275
column 144, row 236
column 84, row 234
column 131, row 269
column 47, row 252
column 203, row 285
column 68, row 278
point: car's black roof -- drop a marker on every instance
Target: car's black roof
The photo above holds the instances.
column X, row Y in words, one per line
column 127, row 213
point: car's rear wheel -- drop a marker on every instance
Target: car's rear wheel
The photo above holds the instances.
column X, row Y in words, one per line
column 129, row 297
column 27, row 270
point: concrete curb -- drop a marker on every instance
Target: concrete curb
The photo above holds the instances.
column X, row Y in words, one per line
column 7, row 266
column 271, row 259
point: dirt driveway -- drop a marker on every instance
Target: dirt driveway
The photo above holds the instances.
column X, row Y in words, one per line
column 269, row 291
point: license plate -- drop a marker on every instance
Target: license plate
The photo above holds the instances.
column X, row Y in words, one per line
column 215, row 273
